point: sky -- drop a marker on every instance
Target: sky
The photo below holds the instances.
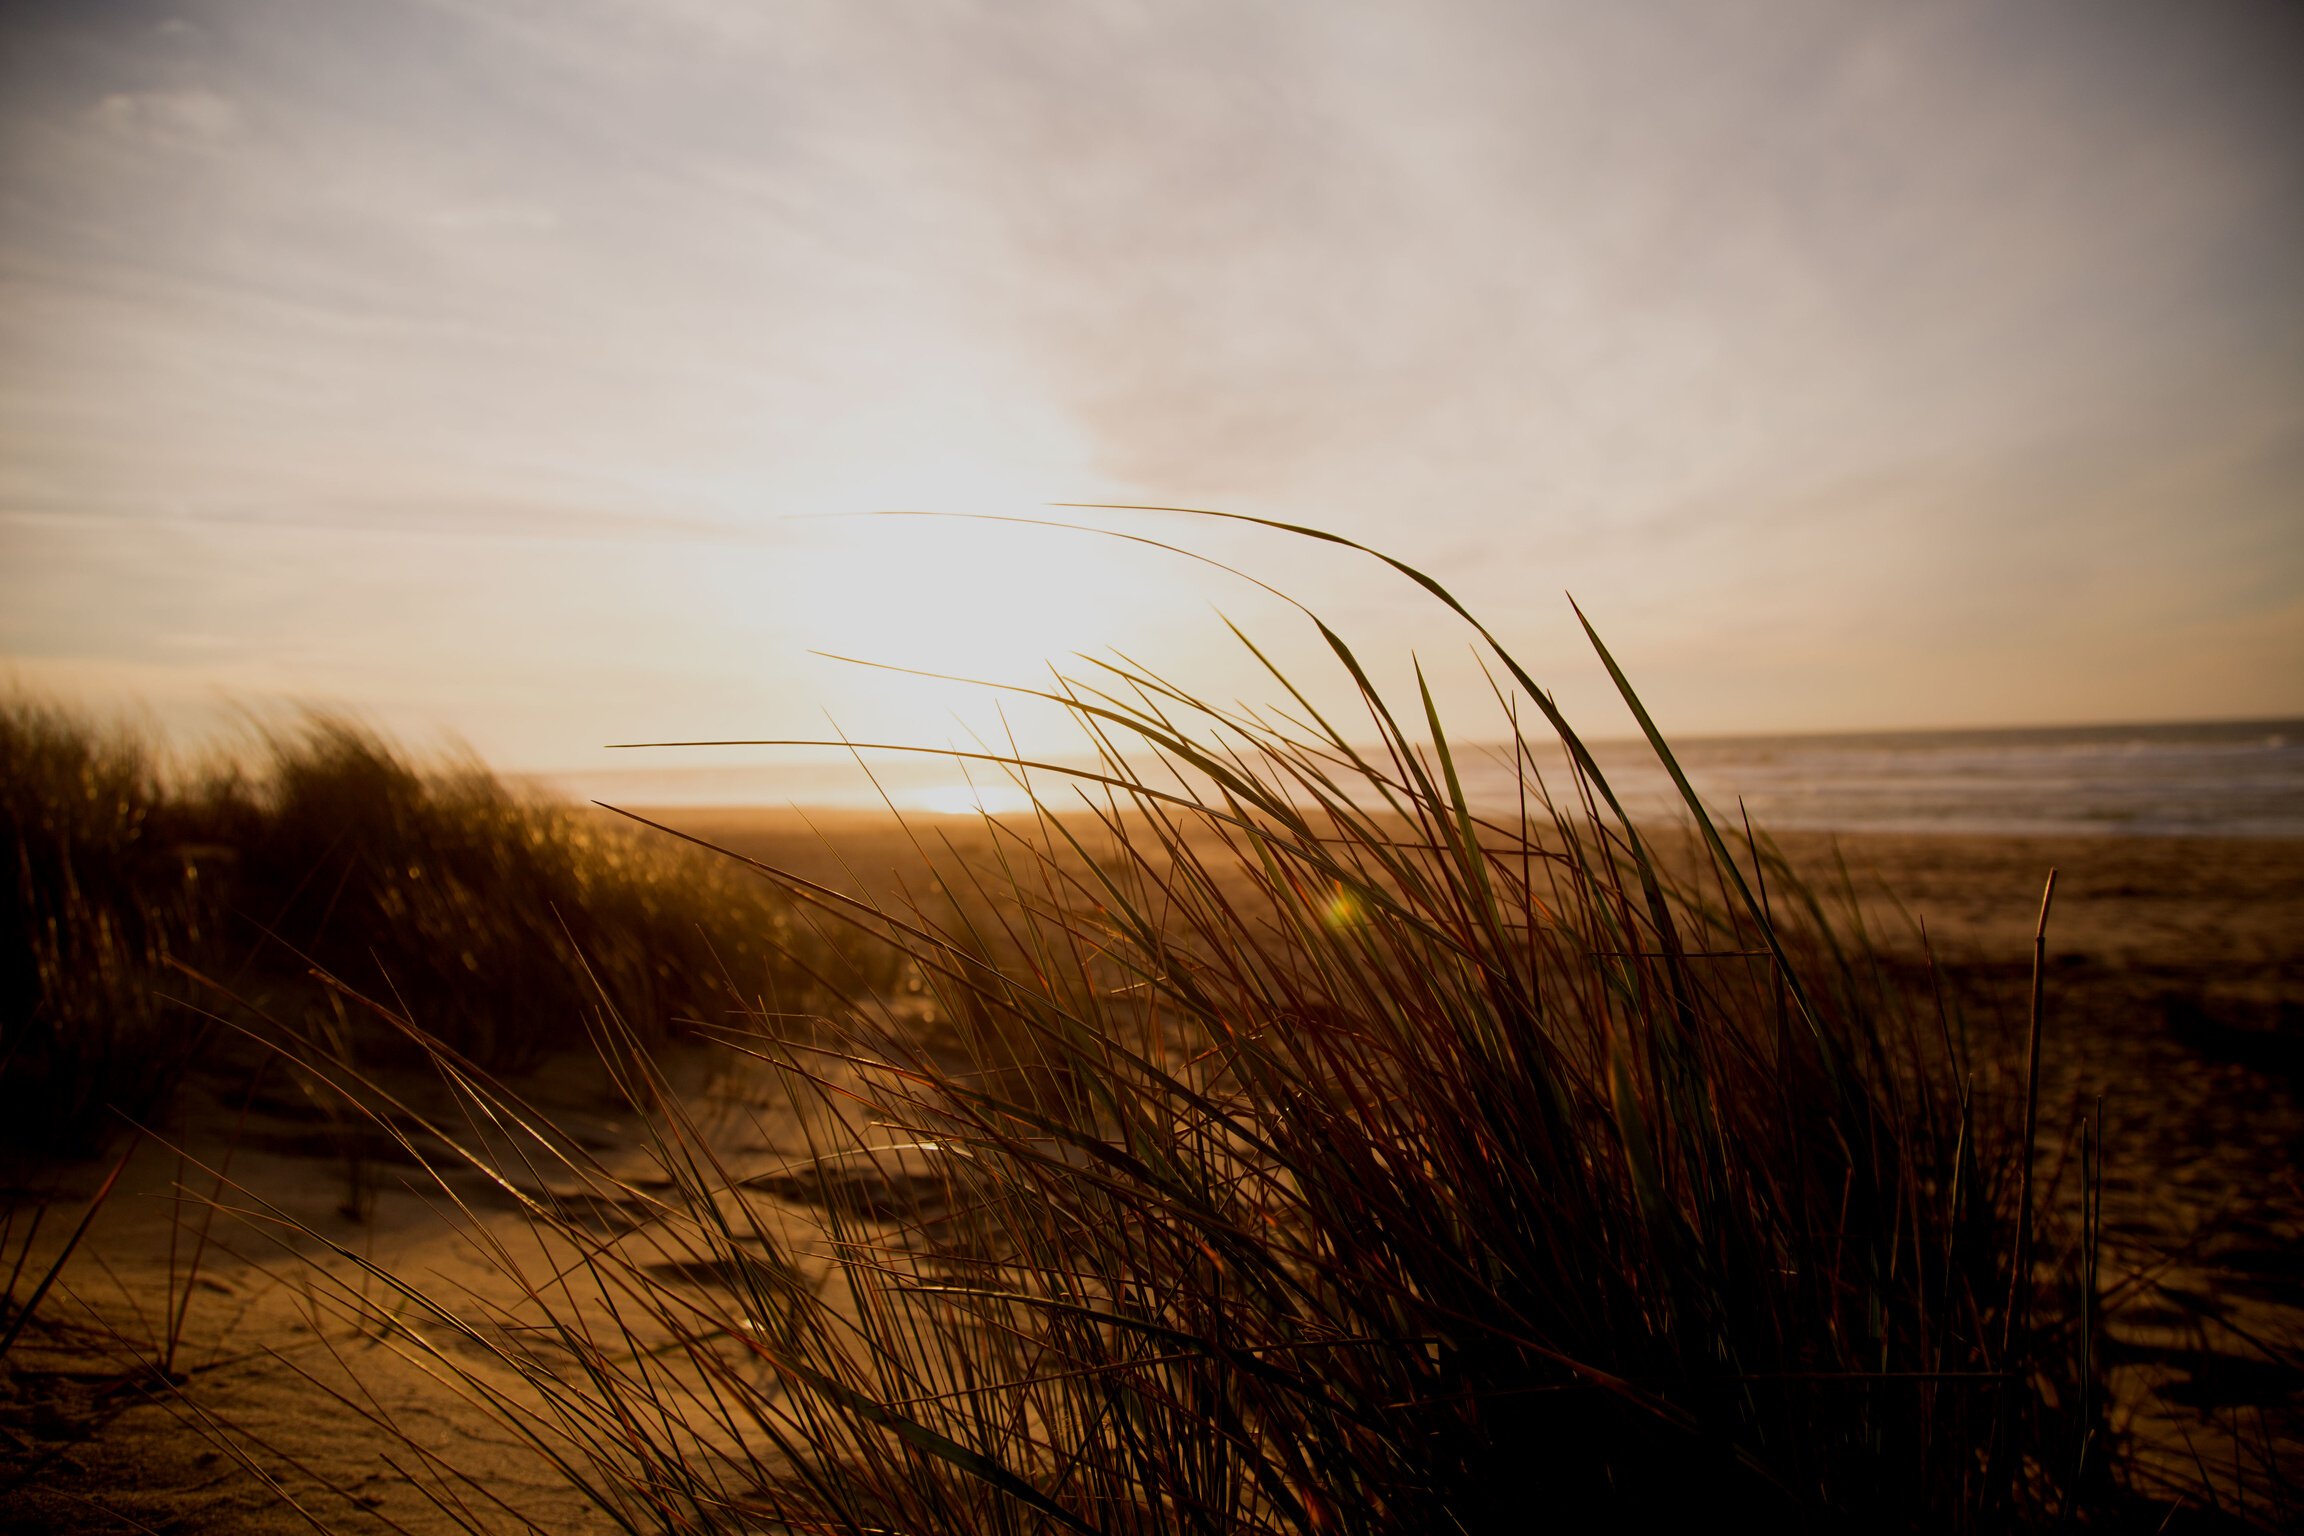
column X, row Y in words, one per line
column 518, row 369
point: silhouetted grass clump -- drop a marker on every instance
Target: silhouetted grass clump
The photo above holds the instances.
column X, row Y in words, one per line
column 146, row 909
column 1278, row 1143
column 94, row 903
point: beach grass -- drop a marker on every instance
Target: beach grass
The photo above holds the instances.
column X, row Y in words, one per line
column 1257, row 1136
column 153, row 911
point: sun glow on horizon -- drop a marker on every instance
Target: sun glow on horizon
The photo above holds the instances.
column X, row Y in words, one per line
column 967, row 800
column 936, row 616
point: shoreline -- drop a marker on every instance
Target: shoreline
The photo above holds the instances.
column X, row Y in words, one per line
column 2148, row 898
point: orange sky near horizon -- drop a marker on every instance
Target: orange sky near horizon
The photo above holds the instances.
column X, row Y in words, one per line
column 505, row 368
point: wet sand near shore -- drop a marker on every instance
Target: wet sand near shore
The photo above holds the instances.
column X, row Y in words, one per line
column 2175, row 992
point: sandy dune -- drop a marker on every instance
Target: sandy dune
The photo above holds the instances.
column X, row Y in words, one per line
column 2176, row 993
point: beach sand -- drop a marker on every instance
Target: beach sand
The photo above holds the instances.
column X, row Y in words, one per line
column 2175, row 991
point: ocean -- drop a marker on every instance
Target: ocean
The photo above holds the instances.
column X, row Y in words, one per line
column 2225, row 779
column 2219, row 779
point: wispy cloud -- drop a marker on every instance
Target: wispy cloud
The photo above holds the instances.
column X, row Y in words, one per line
column 1874, row 314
